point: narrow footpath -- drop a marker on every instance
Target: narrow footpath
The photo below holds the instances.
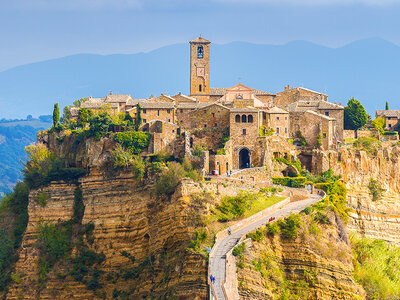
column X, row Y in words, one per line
column 217, row 261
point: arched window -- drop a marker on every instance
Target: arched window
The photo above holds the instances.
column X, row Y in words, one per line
column 200, row 51
column 200, row 87
column 237, row 118
column 250, row 119
column 244, row 119
column 244, row 131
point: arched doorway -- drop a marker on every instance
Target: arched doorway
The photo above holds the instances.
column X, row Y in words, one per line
column 244, row 158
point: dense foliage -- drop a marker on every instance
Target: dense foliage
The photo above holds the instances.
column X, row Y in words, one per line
column 134, row 141
column 355, row 115
column 368, row 144
column 377, row 267
column 296, row 182
column 380, row 124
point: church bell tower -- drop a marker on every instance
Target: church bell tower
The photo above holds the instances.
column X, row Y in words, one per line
column 200, row 68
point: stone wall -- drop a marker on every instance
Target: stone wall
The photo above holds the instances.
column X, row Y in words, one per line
column 163, row 114
column 212, row 116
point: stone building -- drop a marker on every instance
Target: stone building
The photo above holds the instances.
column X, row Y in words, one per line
column 200, row 69
column 277, row 119
column 163, row 111
column 211, row 116
column 291, row 95
column 391, row 117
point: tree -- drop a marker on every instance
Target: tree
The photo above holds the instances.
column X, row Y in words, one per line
column 380, row 124
column 56, row 114
column 138, row 118
column 387, row 105
column 84, row 115
column 355, row 115
column 66, row 115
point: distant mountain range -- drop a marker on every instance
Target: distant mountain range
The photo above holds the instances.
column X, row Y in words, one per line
column 367, row 69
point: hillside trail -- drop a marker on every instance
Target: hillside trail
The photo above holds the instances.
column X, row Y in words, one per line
column 217, row 260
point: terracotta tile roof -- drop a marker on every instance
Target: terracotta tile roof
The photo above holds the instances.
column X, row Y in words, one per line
column 184, row 96
column 135, row 101
column 118, row 98
column 155, row 105
column 276, row 110
column 388, row 113
column 309, row 105
column 200, row 40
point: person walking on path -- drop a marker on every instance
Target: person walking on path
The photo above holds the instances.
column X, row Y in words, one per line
column 229, row 231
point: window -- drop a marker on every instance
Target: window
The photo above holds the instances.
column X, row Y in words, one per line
column 244, row 119
column 285, row 118
column 327, row 113
column 277, row 130
column 200, row 52
column 264, row 115
column 168, row 111
column 205, row 125
column 215, row 125
column 158, row 112
column 250, row 119
column 324, row 135
column 390, row 125
column 237, row 118
column 181, row 122
column 181, row 111
column 199, row 87
column 285, row 130
column 213, row 115
column 244, row 132
column 173, row 131
column 144, row 110
column 144, row 121
column 277, row 118
column 169, row 120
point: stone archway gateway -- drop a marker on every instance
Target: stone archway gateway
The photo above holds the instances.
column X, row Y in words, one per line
column 244, row 158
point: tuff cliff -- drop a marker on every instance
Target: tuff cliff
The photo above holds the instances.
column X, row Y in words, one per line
column 375, row 218
column 129, row 221
column 318, row 264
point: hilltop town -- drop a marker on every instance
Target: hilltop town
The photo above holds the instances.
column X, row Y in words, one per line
column 235, row 127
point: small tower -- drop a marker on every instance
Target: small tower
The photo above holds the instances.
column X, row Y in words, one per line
column 200, row 68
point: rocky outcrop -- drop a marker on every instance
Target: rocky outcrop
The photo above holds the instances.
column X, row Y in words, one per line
column 316, row 265
column 379, row 218
column 128, row 218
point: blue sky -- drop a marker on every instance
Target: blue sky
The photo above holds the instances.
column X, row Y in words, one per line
column 43, row 29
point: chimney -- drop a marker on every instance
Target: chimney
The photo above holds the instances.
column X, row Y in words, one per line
column 336, row 102
column 340, row 103
column 110, row 92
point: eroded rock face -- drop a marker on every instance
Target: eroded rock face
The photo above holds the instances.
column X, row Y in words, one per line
column 127, row 217
column 316, row 265
column 378, row 219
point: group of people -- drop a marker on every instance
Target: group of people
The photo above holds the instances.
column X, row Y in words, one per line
column 212, row 279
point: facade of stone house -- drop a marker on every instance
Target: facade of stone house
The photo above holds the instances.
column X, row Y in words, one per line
column 391, row 117
column 294, row 94
column 164, row 136
column 313, row 126
column 277, row 119
column 211, row 116
column 243, row 128
column 163, row 111
column 181, row 98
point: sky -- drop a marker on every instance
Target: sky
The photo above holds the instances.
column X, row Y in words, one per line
column 36, row 30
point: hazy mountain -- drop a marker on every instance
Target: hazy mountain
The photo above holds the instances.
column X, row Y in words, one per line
column 367, row 69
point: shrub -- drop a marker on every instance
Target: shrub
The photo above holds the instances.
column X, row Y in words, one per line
column 138, row 167
column 239, row 250
column 221, row 151
column 170, row 179
column 273, row 229
column 380, row 124
column 199, row 239
column 368, row 144
column 120, row 157
column 42, row 199
column 289, row 227
column 296, row 182
column 234, row 206
column 84, row 115
column 375, row 189
column 198, row 149
column 99, row 125
column 134, row 141
column 256, row 236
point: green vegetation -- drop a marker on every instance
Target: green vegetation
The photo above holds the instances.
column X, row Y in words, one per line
column 99, row 125
column 43, row 167
column 377, row 267
column 319, row 141
column 296, row 182
column 13, row 221
column 355, row 115
column 200, row 238
column 198, row 149
column 84, row 116
column 265, row 131
column 289, row 227
column 296, row 163
column 302, row 139
column 387, row 106
column 368, row 144
column 380, row 124
column 134, row 141
column 221, row 151
column 238, row 252
column 138, row 118
column 42, row 199
column 56, row 115
column 375, row 189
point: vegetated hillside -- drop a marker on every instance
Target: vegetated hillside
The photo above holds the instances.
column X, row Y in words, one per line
column 367, row 69
column 13, row 140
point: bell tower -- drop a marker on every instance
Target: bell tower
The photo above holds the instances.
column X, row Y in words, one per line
column 200, row 68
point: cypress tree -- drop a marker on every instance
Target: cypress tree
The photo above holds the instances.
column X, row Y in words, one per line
column 387, row 105
column 56, row 114
column 138, row 118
